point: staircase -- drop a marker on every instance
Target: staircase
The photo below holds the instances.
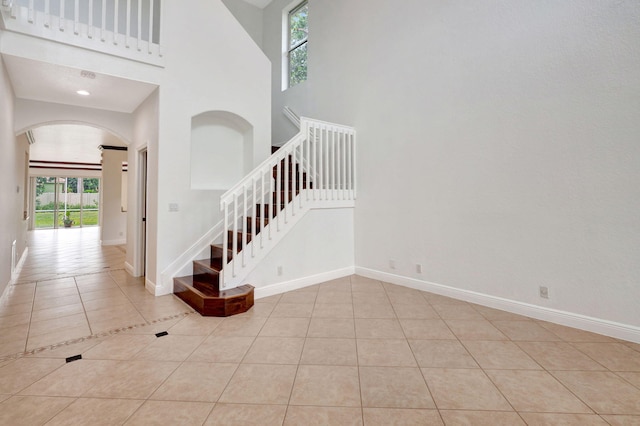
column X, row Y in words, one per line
column 314, row 170
column 202, row 290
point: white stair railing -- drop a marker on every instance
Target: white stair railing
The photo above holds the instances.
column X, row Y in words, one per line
column 128, row 28
column 315, row 169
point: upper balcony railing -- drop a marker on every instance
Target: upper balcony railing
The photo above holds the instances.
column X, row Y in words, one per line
column 126, row 28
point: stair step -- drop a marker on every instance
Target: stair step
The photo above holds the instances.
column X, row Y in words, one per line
column 209, row 301
column 211, row 266
column 217, row 250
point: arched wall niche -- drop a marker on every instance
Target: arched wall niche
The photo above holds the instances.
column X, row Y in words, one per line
column 221, row 149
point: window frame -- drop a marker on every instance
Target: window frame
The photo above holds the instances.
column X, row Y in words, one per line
column 288, row 49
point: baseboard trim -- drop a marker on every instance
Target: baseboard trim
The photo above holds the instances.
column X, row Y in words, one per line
column 129, row 268
column 303, row 282
column 113, row 242
column 570, row 319
column 150, row 286
column 16, row 271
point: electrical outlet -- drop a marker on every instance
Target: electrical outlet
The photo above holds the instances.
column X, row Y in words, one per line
column 544, row 292
column 279, row 270
column 418, row 268
column 392, row 264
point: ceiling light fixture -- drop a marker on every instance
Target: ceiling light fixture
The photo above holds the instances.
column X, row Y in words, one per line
column 83, row 93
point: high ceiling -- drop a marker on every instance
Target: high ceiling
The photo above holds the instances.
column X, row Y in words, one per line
column 259, row 3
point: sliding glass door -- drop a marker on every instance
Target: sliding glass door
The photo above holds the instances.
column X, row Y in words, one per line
column 65, row 202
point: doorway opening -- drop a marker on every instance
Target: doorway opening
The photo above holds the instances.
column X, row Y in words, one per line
column 64, row 202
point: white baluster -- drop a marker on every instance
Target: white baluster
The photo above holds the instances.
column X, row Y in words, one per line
column 90, row 21
column 30, row 12
column 128, row 29
column 318, row 132
column 161, row 21
column 287, row 184
column 269, row 206
column 262, row 215
column 61, row 22
column 103, row 31
column 254, row 217
column 116, row 24
column 294, row 173
column 139, row 25
column 76, row 17
column 234, row 236
column 333, row 164
column 344, row 164
column 244, row 226
column 225, row 242
column 278, row 193
column 47, row 13
column 353, row 163
column 307, row 157
column 151, row 2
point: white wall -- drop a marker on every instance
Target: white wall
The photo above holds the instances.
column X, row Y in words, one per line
column 308, row 254
column 249, row 16
column 215, row 66
column 145, row 137
column 12, row 174
column 113, row 219
column 498, row 142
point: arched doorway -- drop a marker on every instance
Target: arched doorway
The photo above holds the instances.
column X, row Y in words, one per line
column 78, row 178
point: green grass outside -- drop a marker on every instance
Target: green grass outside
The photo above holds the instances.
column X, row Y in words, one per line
column 45, row 219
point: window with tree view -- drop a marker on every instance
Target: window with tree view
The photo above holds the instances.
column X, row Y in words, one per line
column 297, row 46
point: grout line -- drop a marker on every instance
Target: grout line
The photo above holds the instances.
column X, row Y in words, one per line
column 33, row 304
column 84, row 309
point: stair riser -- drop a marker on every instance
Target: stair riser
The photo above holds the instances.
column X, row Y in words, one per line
column 216, row 252
column 219, row 304
column 201, row 269
column 239, row 243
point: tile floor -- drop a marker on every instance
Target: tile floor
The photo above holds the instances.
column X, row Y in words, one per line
column 351, row 351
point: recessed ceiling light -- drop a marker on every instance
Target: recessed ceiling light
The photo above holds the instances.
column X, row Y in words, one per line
column 83, row 93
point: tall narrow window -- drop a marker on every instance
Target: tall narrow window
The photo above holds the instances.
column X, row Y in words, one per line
column 297, row 45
